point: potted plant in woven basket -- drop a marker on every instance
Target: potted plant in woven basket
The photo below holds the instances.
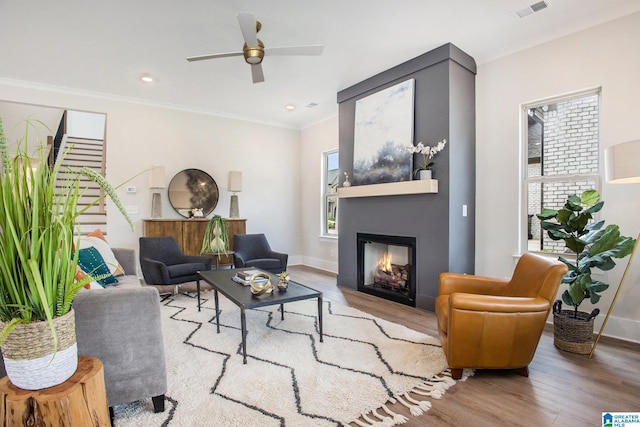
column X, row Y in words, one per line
column 594, row 247
column 38, row 262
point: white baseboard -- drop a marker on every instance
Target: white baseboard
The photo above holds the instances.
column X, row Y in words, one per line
column 318, row 263
column 294, row 260
column 617, row 327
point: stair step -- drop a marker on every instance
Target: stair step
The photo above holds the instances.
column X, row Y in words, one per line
column 80, row 161
column 81, row 223
column 72, row 140
column 84, row 182
column 70, row 169
column 84, row 145
column 65, row 175
column 85, row 153
column 93, row 213
column 86, row 201
column 77, row 166
column 90, row 200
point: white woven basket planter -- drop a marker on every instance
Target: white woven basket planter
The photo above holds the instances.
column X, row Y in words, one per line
column 29, row 358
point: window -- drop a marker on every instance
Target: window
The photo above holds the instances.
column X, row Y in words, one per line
column 562, row 140
column 330, row 193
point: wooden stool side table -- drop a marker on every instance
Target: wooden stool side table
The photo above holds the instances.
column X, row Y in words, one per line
column 79, row 401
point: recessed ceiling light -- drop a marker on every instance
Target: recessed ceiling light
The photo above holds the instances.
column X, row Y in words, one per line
column 290, row 107
column 146, row 78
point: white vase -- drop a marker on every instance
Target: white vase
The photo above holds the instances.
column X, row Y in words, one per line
column 424, row 174
column 217, row 245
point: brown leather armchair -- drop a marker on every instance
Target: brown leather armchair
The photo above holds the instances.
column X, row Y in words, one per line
column 487, row 323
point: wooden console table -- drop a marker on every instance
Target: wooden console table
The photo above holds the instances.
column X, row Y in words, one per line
column 190, row 232
column 79, row 401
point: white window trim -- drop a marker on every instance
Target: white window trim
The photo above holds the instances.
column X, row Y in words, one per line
column 524, row 141
column 323, row 196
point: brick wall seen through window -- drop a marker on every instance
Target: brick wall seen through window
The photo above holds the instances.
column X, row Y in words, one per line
column 562, row 147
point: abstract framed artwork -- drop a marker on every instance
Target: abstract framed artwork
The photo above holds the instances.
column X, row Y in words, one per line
column 383, row 130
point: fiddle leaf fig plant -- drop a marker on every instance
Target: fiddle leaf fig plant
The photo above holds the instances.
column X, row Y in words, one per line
column 594, row 246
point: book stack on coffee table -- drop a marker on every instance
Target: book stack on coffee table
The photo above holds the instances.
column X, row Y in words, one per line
column 244, row 277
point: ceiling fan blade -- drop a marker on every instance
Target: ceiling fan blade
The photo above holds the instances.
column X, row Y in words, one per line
column 315, row 49
column 213, row 56
column 256, row 73
column 248, row 27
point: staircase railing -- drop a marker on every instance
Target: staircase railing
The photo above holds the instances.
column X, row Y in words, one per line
column 59, row 140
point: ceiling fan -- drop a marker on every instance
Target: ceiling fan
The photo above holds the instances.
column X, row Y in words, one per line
column 254, row 50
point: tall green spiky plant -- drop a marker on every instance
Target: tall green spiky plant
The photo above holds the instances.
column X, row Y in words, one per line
column 38, row 254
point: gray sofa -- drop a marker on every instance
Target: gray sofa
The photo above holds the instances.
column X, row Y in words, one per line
column 121, row 326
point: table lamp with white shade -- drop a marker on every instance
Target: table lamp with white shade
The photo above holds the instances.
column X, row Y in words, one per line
column 156, row 183
column 235, row 186
column 621, row 166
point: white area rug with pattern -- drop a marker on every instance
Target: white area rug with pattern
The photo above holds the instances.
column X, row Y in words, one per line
column 291, row 378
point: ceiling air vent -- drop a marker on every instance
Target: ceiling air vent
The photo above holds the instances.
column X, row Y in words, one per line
column 536, row 7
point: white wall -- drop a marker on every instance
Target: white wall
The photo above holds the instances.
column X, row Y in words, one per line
column 139, row 136
column 605, row 56
column 319, row 252
column 14, row 117
column 85, row 125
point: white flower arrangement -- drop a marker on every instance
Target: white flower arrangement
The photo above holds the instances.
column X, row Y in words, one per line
column 428, row 152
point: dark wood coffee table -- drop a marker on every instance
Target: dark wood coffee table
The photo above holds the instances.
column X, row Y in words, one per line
column 220, row 281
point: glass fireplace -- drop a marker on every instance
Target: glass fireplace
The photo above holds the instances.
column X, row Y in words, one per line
column 387, row 267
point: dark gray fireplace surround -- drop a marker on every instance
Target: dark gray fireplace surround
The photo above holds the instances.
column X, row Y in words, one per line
column 444, row 108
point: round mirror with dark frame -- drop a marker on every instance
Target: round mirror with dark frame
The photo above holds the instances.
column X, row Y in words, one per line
column 193, row 193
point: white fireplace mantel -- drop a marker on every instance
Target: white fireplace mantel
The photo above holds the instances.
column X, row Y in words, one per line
column 424, row 186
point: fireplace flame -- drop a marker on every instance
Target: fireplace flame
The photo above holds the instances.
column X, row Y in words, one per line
column 385, row 262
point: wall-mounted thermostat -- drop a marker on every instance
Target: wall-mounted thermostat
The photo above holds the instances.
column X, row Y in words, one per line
column 131, row 189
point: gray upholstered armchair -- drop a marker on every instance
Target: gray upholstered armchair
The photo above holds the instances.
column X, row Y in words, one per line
column 163, row 263
column 253, row 250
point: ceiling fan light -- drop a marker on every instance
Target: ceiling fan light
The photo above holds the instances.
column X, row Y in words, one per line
column 253, row 49
column 253, row 59
column 253, row 55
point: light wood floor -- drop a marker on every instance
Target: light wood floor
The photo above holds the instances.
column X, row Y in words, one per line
column 563, row 389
